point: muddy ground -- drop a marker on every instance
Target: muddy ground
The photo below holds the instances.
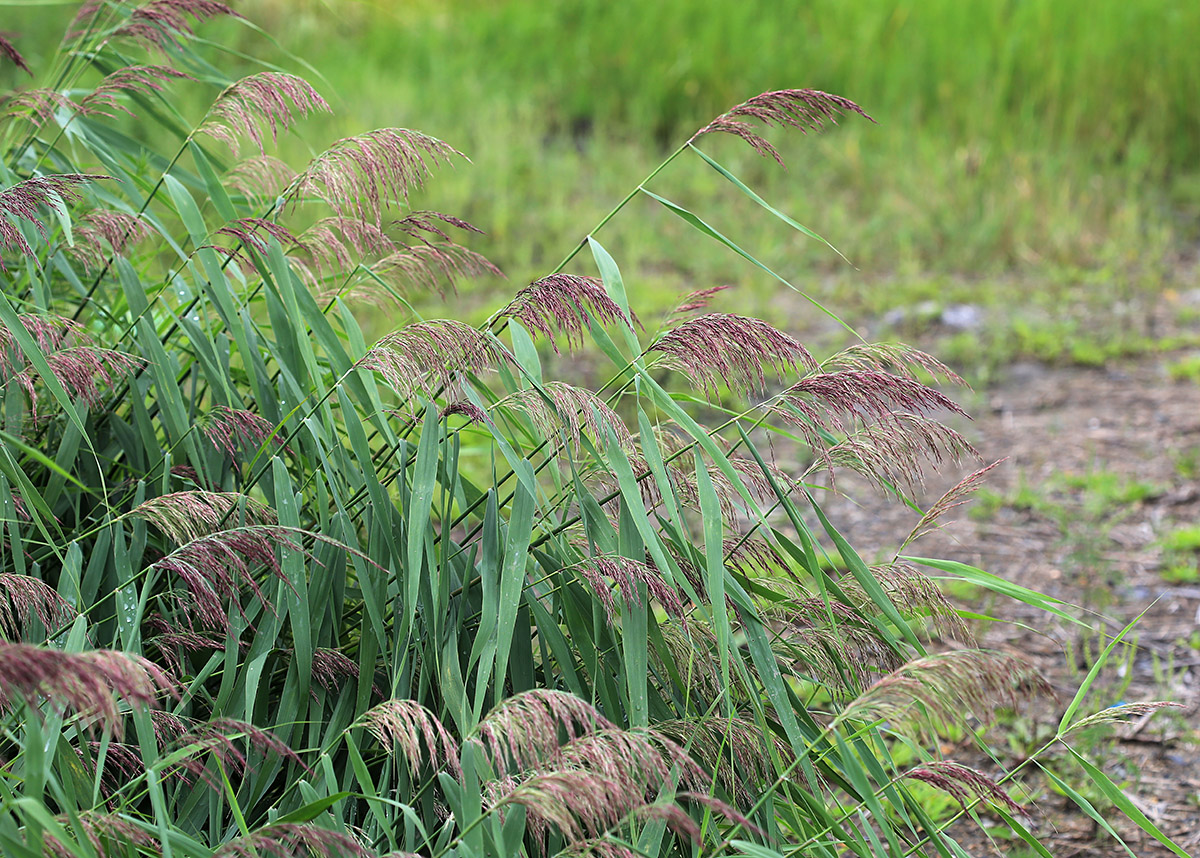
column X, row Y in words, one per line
column 1102, row 466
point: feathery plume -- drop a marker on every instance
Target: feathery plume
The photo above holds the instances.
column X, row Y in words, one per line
column 1120, row 712
column 402, row 724
column 161, row 24
column 431, row 354
column 103, row 831
column 331, row 668
column 8, row 49
column 940, row 690
column 85, row 682
column 173, row 642
column 628, row 574
column 102, row 233
column 256, row 233
column 428, row 266
column 524, row 729
column 806, row 109
column 260, row 178
column 289, row 839
column 863, row 395
column 958, row 495
column 82, row 371
column 37, row 105
column 911, row 590
column 215, row 567
column 577, row 803
column 963, row 784
column 419, row 225
column 271, row 99
column 218, row 737
column 720, row 808
column 22, row 598
column 891, row 453
column 187, row 516
column 693, row 301
column 896, row 358
column 557, row 404
column 360, row 175
column 465, row 408
column 693, row 652
column 749, row 554
column 642, row 760
column 338, row 243
column 565, row 304
column 23, row 199
column 733, row 748
column 102, row 100
column 227, row 427
column 720, row 348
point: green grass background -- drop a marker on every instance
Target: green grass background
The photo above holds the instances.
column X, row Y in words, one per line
column 1037, row 160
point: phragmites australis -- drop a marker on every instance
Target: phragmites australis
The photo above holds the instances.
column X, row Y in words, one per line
column 215, row 567
column 522, row 731
column 9, row 50
column 737, row 351
column 806, row 109
column 102, row 831
column 87, row 682
column 403, row 725
column 185, row 516
column 733, row 748
column 557, row 407
column 431, row 354
column 695, row 301
column 24, row 598
column 964, row 784
column 564, row 304
column 158, row 24
column 23, row 200
column 228, row 428
column 82, row 371
column 272, row 99
column 289, row 839
column 629, row 576
column 360, row 176
column 102, row 100
column 465, row 408
column 260, row 178
column 891, row 453
column 958, row 494
column 427, row 266
column 934, row 692
column 101, row 233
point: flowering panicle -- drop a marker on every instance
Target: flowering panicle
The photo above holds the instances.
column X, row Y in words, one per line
column 420, row 225
column 751, row 554
column 428, row 266
column 1122, row 711
column 102, row 100
column 911, row 590
column 403, row 724
column 694, row 301
column 737, row 351
column 271, row 99
column 159, row 24
column 465, row 408
column 577, row 803
column 964, row 784
column 523, row 730
column 331, row 668
column 361, row 175
column 806, row 109
column 37, row 105
column 628, row 574
column 103, row 831
column 336, row 244
column 427, row 355
column 23, row 200
column 941, row 690
column 22, row 598
column 215, row 567
column 958, row 495
column 101, row 233
column 892, row 452
column 289, row 839
column 173, row 641
column 256, row 233
column 564, row 304
column 219, row 737
column 187, row 516
column 227, row 427
column 260, row 178
column 574, row 409
column 9, row 50
column 734, row 749
column 641, row 759
column 82, row 371
column 85, row 682
column 895, row 358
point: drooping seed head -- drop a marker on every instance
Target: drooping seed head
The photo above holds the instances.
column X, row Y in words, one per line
column 271, row 99
column 964, row 784
column 523, row 730
column 102, row 101
column 8, row 49
column 24, row 199
column 564, row 304
column 187, row 516
column 403, row 725
column 24, row 598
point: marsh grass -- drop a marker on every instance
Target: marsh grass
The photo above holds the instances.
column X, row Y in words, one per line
column 271, row 590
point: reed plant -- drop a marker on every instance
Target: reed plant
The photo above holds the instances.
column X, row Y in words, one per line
column 270, row 590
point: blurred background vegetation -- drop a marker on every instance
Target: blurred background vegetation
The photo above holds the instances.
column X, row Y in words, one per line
column 1031, row 190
